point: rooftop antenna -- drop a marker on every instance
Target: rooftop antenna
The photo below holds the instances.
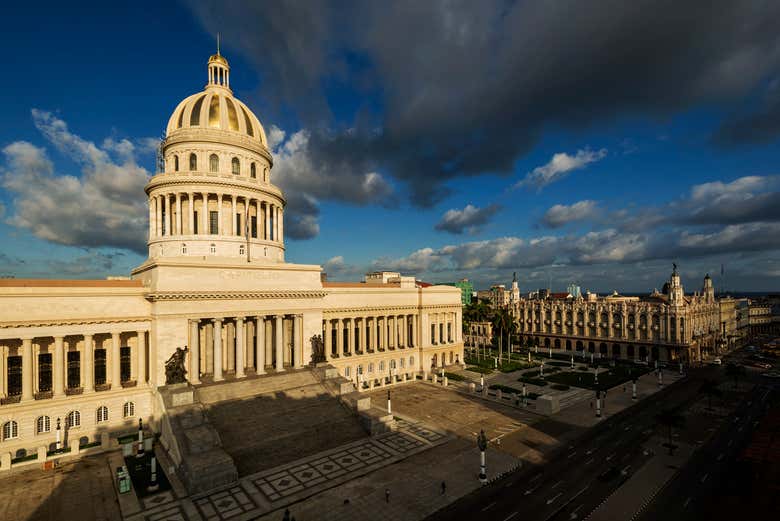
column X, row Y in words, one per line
column 217, row 44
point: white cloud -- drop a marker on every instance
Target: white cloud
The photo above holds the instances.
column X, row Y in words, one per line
column 471, row 218
column 559, row 167
column 103, row 206
column 560, row 214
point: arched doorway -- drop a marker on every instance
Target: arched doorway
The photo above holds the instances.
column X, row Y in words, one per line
column 546, row 342
column 630, row 351
column 654, row 353
column 579, row 345
column 616, row 350
column 591, row 347
column 603, row 348
column 568, row 345
column 557, row 343
column 642, row 352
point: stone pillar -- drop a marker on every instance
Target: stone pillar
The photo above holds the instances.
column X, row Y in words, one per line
column 328, row 340
column 141, row 355
column 260, row 345
column 27, row 369
column 116, row 375
column 178, row 214
column 58, row 368
column 219, row 214
column 88, row 365
column 158, row 217
column 233, row 219
column 194, row 352
column 217, row 349
column 266, row 221
column 298, row 340
column 167, row 210
column 281, row 225
column 339, row 336
column 279, row 342
column 277, row 227
column 373, row 333
column 458, row 325
column 191, row 213
column 151, row 218
column 240, row 335
column 204, row 218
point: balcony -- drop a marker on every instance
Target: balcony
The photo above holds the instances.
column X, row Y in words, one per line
column 11, row 399
column 43, row 395
column 129, row 383
column 74, row 391
column 102, row 387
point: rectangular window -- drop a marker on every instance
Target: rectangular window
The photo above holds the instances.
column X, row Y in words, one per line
column 124, row 363
column 433, row 333
column 195, row 224
column 213, row 223
column 239, row 231
column 100, row 366
column 441, row 333
column 14, row 375
column 357, row 339
column 254, row 227
column 449, row 332
column 44, row 372
column 74, row 369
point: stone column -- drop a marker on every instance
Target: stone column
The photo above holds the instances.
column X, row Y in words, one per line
column 362, row 334
column 58, row 370
column 88, row 365
column 233, row 215
column 219, row 214
column 151, row 218
column 339, row 337
column 298, row 340
column 276, row 223
column 281, row 225
column 27, row 369
column 372, row 329
column 194, row 352
column 116, row 376
column 266, row 223
column 4, row 371
column 349, row 340
column 459, row 325
column 167, row 212
column 328, row 339
column 240, row 335
column 217, row 349
column 279, row 342
column 141, row 356
column 260, row 345
column 178, row 214
column 204, row 219
column 157, row 215
column 191, row 212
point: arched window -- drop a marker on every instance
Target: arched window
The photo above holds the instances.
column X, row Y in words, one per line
column 42, row 424
column 176, row 163
column 102, row 414
column 213, row 163
column 381, row 366
column 73, row 419
column 193, row 162
column 128, row 409
column 235, row 166
column 10, row 430
column 21, row 453
column 253, row 170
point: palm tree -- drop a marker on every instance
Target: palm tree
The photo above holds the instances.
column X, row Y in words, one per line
column 710, row 389
column 670, row 418
column 735, row 371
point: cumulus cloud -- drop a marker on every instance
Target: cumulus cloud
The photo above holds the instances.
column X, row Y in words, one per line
column 102, row 206
column 486, row 79
column 561, row 214
column 559, row 167
column 471, row 218
column 306, row 181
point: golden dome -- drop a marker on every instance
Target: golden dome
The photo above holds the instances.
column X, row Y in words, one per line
column 218, row 58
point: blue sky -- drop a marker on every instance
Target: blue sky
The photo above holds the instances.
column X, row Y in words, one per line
column 442, row 139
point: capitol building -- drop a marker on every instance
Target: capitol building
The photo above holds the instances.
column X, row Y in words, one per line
column 91, row 354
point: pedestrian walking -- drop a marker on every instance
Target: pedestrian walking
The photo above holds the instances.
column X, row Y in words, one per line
column 387, row 495
column 443, row 487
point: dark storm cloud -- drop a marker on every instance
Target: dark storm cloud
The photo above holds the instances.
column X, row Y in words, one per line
column 468, row 87
column 760, row 126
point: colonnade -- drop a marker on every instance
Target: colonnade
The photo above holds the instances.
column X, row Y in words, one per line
column 189, row 213
column 235, row 345
column 34, row 368
column 347, row 336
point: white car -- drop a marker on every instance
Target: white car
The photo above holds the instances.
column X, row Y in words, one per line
column 717, row 361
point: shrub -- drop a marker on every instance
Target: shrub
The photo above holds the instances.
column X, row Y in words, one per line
column 478, row 369
column 454, row 377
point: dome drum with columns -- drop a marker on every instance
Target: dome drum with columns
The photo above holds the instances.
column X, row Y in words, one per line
column 215, row 197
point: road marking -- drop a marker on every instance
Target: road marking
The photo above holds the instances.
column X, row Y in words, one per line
column 530, row 490
column 704, row 478
column 535, row 478
column 610, row 456
column 573, row 454
column 552, row 499
column 573, row 514
column 488, row 507
column 510, row 516
column 720, row 456
column 552, row 487
column 589, row 461
column 685, row 505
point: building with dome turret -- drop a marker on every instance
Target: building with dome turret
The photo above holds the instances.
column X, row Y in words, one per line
column 91, row 354
column 666, row 326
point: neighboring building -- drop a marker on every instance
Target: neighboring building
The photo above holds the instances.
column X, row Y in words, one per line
column 93, row 352
column 662, row 326
column 742, row 309
column 478, row 334
column 514, row 295
column 729, row 334
column 559, row 296
column 760, row 317
column 499, row 296
column 466, row 289
column 574, row 290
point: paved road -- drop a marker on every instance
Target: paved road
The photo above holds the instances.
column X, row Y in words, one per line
column 689, row 494
column 570, row 486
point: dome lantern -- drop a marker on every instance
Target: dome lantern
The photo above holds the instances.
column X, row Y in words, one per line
column 219, row 70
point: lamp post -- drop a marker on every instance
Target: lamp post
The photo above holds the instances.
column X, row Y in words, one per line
column 550, row 353
column 598, row 404
column 482, row 445
column 525, row 395
column 541, row 370
column 572, row 361
column 389, row 408
column 596, row 377
column 140, row 452
column 660, row 377
column 633, row 387
column 58, row 444
column 153, row 485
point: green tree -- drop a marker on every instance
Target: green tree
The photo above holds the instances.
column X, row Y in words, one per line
column 671, row 419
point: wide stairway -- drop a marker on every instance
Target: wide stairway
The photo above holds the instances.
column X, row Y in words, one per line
column 270, row 420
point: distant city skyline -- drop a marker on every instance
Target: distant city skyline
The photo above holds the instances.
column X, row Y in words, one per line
column 476, row 144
